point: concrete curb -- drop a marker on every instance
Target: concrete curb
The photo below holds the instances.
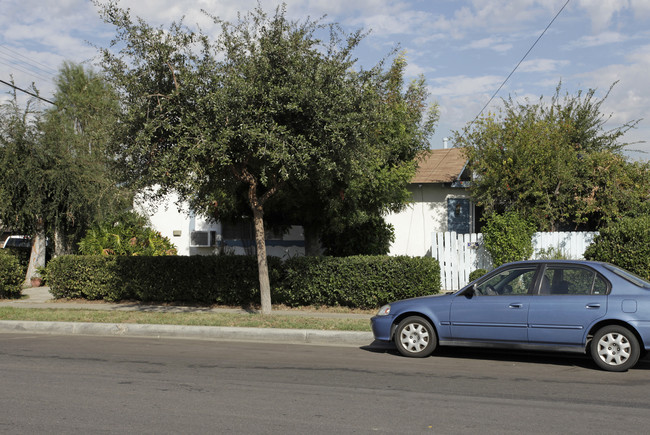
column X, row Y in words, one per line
column 273, row 335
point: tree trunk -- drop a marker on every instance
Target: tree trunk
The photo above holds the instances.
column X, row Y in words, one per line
column 257, row 206
column 37, row 256
column 262, row 265
column 312, row 241
column 60, row 244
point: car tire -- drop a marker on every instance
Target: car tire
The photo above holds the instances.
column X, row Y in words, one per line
column 415, row 337
column 615, row 348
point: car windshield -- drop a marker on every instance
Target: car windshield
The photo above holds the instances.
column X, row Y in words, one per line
column 634, row 279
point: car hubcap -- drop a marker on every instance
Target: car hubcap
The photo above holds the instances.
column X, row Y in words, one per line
column 614, row 349
column 414, row 337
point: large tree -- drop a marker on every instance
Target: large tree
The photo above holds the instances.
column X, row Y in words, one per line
column 264, row 109
column 554, row 162
column 76, row 133
column 56, row 181
column 345, row 211
column 23, row 189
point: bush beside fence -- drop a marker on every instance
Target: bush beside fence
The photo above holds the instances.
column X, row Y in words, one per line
column 357, row 282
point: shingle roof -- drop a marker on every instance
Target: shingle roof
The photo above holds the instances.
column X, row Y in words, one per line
column 440, row 166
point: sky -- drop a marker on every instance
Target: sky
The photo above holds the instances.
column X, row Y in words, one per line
column 465, row 49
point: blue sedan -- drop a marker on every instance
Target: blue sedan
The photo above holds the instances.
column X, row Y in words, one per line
column 580, row 306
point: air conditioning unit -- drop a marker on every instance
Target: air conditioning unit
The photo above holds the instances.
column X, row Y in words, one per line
column 199, row 239
column 204, row 239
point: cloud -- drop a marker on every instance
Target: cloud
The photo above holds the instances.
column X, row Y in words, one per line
column 602, row 12
column 491, row 43
column 542, row 65
column 628, row 100
column 599, row 39
column 464, row 85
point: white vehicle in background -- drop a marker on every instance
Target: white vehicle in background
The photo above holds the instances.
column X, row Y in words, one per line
column 23, row 242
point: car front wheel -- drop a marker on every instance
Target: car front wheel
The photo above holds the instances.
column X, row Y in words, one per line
column 615, row 348
column 415, row 337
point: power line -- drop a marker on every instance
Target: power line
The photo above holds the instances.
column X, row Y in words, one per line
column 24, row 70
column 27, row 92
column 35, row 64
column 522, row 59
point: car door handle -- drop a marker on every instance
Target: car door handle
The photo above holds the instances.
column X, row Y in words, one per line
column 515, row 306
column 592, row 306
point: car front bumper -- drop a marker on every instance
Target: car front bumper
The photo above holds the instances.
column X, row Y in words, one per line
column 382, row 327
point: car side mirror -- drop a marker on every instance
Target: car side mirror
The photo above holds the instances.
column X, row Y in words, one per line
column 470, row 292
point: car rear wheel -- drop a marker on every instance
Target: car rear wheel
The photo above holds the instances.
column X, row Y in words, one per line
column 415, row 337
column 615, row 348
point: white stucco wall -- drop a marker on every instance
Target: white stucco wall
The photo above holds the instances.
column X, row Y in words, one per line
column 413, row 226
column 177, row 225
column 426, row 214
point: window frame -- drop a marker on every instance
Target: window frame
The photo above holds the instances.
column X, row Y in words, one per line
column 546, row 266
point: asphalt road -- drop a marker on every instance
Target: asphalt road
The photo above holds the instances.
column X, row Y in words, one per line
column 77, row 384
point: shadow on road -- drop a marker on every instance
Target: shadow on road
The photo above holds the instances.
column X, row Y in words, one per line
column 506, row 355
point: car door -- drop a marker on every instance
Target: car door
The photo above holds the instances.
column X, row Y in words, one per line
column 570, row 299
column 497, row 310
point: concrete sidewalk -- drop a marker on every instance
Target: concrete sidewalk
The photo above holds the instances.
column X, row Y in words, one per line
column 40, row 297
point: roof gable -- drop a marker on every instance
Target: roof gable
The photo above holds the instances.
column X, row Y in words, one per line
column 440, row 166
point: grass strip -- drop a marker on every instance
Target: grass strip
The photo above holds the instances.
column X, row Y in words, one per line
column 191, row 319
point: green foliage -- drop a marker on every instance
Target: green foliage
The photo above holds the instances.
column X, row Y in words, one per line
column 551, row 253
column 362, row 282
column 476, row 274
column 228, row 280
column 555, row 162
column 77, row 132
column 508, row 237
column 125, row 234
column 625, row 243
column 22, row 254
column 23, row 185
column 346, row 208
column 372, row 236
column 55, row 181
column 12, row 275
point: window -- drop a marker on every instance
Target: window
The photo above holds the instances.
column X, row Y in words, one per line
column 572, row 280
column 513, row 281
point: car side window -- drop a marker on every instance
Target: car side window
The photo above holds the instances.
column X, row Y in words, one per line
column 572, row 280
column 508, row 282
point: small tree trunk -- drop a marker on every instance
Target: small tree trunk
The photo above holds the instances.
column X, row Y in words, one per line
column 262, row 265
column 60, row 245
column 312, row 242
column 37, row 256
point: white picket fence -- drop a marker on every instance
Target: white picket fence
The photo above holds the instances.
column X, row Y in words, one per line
column 460, row 254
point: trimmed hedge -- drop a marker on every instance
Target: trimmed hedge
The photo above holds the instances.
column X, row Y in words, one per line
column 357, row 282
column 229, row 280
column 12, row 275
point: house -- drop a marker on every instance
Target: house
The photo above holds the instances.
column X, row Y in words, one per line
column 440, row 202
column 197, row 235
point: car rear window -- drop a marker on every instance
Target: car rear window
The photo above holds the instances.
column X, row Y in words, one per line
column 629, row 276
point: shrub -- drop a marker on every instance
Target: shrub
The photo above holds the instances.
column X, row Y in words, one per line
column 126, row 234
column 552, row 253
column 625, row 243
column 508, row 237
column 476, row 274
column 12, row 275
column 359, row 282
column 230, row 280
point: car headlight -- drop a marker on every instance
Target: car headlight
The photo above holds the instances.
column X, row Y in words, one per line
column 384, row 311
